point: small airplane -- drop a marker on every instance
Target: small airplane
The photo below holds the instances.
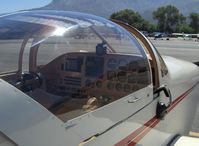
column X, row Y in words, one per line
column 185, row 36
column 74, row 79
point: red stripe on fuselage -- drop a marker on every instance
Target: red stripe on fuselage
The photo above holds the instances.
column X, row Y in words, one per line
column 180, row 98
column 129, row 138
column 137, row 135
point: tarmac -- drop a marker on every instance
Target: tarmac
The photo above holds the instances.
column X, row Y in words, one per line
column 178, row 48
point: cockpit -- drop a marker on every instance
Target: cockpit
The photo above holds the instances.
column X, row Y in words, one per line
column 71, row 65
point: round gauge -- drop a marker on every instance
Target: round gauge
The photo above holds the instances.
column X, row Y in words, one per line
column 111, row 75
column 112, row 63
column 110, row 85
column 99, row 84
column 121, row 76
column 122, row 62
column 127, row 88
column 118, row 87
column 133, row 66
column 123, row 65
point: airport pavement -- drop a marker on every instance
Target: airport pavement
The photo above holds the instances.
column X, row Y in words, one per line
column 182, row 49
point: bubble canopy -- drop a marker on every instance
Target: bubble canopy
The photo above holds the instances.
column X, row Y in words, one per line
column 41, row 25
column 82, row 61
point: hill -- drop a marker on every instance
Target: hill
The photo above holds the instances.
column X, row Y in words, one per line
column 105, row 8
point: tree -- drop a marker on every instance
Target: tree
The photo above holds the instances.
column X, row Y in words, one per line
column 132, row 18
column 168, row 18
column 152, row 28
column 185, row 28
column 194, row 22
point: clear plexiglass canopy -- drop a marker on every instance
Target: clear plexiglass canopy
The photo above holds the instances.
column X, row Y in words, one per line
column 81, row 61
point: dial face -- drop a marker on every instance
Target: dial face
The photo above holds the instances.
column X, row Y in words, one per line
column 118, row 87
column 122, row 76
column 123, row 65
column 110, row 85
column 112, row 63
column 111, row 75
column 122, row 62
column 133, row 66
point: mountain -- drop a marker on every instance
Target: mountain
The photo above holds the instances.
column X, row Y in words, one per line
column 105, row 8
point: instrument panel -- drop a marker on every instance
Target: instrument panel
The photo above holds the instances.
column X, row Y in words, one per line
column 107, row 75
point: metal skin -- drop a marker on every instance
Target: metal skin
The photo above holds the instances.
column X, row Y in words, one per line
column 130, row 120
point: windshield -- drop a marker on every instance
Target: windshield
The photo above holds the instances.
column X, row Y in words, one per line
column 76, row 62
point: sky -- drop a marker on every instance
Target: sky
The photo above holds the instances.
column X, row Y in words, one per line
column 16, row 5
